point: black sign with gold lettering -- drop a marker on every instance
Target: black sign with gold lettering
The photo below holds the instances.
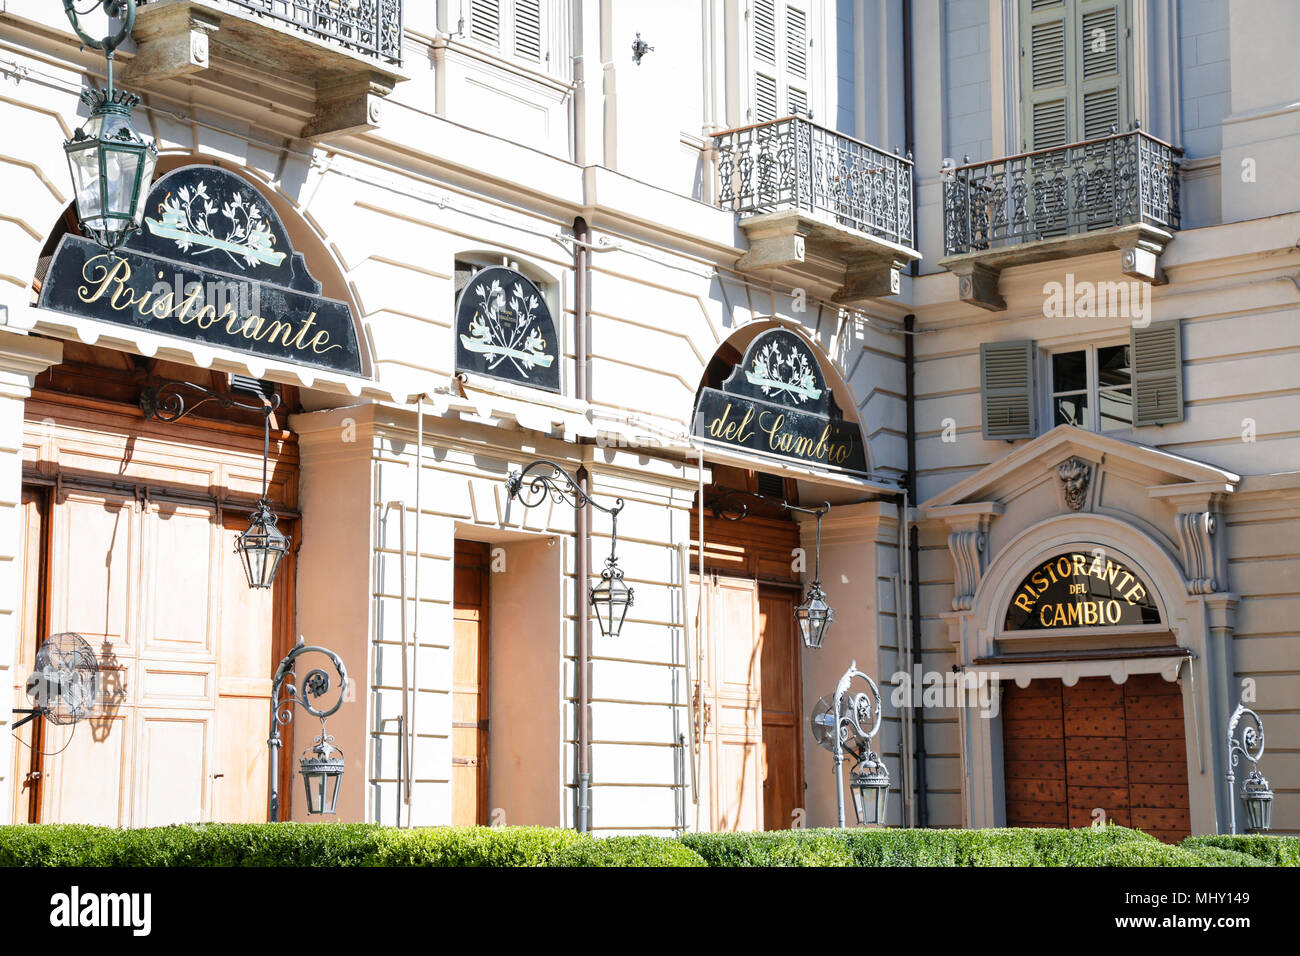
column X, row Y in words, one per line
column 504, row 330
column 1081, row 589
column 776, row 401
column 212, row 264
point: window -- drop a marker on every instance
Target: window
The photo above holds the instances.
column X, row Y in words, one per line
column 1092, row 388
column 515, row 27
column 780, row 62
column 1074, row 71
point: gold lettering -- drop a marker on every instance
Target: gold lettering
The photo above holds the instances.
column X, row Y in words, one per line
column 1078, row 559
column 1022, row 602
column 105, row 276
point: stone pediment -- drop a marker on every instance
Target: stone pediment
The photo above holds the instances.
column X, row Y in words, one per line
column 1069, row 470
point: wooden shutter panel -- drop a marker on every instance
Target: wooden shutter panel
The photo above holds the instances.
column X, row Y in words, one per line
column 1044, row 73
column 796, row 42
column 779, row 60
column 485, row 21
column 1102, row 68
column 765, row 102
column 1157, row 352
column 1007, row 389
column 528, row 29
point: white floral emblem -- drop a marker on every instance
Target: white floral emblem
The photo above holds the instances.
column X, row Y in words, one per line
column 507, row 331
column 786, row 375
column 189, row 219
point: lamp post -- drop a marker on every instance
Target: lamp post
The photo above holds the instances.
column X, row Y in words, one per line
column 846, row 723
column 321, row 765
column 1247, row 741
column 110, row 162
column 544, row 480
column 263, row 545
column 813, row 614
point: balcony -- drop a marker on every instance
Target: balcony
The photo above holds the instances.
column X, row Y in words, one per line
column 349, row 50
column 801, row 189
column 1116, row 192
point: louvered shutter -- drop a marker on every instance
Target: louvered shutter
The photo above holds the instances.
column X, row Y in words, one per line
column 1007, row 389
column 528, row 30
column 781, row 71
column 1044, row 73
column 1102, row 44
column 485, row 21
column 1157, row 352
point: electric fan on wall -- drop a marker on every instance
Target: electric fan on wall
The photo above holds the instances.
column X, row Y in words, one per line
column 65, row 684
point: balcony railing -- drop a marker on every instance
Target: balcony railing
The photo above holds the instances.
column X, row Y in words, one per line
column 369, row 27
column 794, row 164
column 1118, row 180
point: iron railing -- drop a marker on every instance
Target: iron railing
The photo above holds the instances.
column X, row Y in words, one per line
column 1116, row 180
column 793, row 163
column 369, row 27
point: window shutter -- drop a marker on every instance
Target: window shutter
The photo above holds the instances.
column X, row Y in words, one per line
column 764, row 27
column 779, row 60
column 1007, row 389
column 528, row 29
column 1044, row 74
column 485, row 21
column 764, row 98
column 1157, row 352
column 1102, row 40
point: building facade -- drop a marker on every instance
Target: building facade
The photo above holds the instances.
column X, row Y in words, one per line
column 1009, row 285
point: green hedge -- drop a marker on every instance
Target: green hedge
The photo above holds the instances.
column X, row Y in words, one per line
column 1269, row 850
column 350, row 844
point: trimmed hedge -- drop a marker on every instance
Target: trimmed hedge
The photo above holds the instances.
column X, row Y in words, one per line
column 353, row 844
column 1269, row 850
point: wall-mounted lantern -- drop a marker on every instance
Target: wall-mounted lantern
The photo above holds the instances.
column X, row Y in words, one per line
column 321, row 764
column 1245, row 740
column 846, row 723
column 544, row 480
column 110, row 162
column 263, row 545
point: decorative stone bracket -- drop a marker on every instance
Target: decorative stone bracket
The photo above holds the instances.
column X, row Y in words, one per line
column 1196, row 533
column 872, row 266
column 1139, row 246
column 968, row 527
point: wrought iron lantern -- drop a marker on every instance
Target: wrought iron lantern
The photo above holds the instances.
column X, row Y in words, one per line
column 846, row 723
column 263, row 545
column 322, row 772
column 321, row 764
column 111, row 163
column 544, row 480
column 813, row 613
column 1245, row 740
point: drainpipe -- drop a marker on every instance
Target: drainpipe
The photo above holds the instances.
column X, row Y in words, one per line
column 582, row 530
column 914, row 564
column 909, row 131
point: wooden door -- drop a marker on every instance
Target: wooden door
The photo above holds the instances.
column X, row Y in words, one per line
column 469, row 708
column 782, row 764
column 1071, row 751
column 25, row 770
column 730, row 699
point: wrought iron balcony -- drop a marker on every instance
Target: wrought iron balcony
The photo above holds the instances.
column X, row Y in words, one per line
column 791, row 180
column 370, row 27
column 1116, row 192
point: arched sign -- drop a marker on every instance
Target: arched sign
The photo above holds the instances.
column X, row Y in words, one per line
column 777, row 401
column 504, row 330
column 1085, row 588
column 212, row 263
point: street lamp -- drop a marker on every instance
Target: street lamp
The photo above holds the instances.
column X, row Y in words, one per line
column 321, row 764
column 544, row 479
column 846, row 723
column 110, row 162
column 1256, row 796
column 263, row 545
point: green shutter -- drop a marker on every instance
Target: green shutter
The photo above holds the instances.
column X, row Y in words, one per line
column 1074, row 71
column 1007, row 389
column 1157, row 354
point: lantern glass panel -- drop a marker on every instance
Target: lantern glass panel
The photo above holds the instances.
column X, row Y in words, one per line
column 870, row 791
column 261, row 547
column 610, row 600
column 814, row 616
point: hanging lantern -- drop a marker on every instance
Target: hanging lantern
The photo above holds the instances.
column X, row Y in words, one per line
column 112, row 168
column 869, row 784
column 611, row 598
column 814, row 616
column 1258, row 801
column 322, row 772
column 261, row 547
